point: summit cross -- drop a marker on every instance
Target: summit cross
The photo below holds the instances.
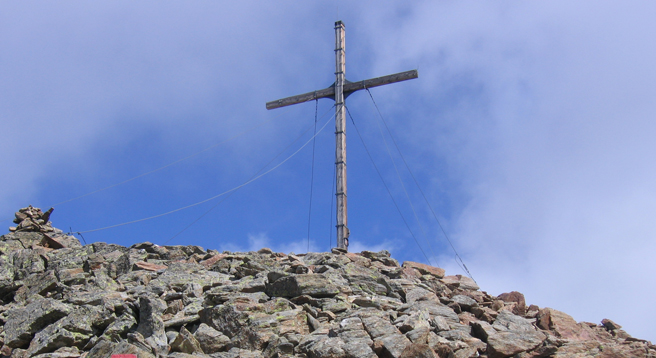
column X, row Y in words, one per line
column 339, row 91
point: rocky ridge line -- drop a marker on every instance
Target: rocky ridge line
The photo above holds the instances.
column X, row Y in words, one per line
column 59, row 299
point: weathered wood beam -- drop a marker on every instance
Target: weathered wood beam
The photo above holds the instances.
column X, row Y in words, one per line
column 379, row 81
column 349, row 88
column 305, row 97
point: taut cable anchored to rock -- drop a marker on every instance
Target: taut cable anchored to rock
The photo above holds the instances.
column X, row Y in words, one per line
column 252, row 179
column 102, row 300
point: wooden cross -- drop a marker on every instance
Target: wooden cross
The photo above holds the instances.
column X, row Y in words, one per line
column 339, row 91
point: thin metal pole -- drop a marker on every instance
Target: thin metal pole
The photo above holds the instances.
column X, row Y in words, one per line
column 340, row 138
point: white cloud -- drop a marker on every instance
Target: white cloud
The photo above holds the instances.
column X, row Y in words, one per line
column 556, row 157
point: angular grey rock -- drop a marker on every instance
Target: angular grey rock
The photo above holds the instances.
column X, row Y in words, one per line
column 415, row 320
column 118, row 329
column 379, row 327
column 26, row 262
column 325, row 347
column 127, row 348
column 336, row 306
column 509, row 343
column 418, row 351
column 419, row 294
column 7, row 271
column 23, row 323
column 211, row 340
column 393, row 345
column 434, row 309
column 359, row 348
column 466, row 303
column 226, row 319
column 313, row 285
column 507, row 321
column 74, row 330
column 514, row 335
column 482, row 330
column 326, row 258
column 41, row 284
column 151, row 325
column 440, row 324
column 185, row 342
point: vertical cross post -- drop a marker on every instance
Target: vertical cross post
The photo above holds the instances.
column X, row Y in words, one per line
column 340, row 138
column 338, row 91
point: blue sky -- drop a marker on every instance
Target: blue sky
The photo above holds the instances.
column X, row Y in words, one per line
column 530, row 129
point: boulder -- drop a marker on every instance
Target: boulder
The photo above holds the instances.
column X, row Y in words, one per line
column 460, row 281
column 563, row 325
column 185, row 342
column 313, row 285
column 510, row 343
column 211, row 340
column 151, row 325
column 516, row 297
column 23, row 323
column 610, row 325
column 418, row 351
column 424, row 269
column 393, row 345
column 509, row 335
column 464, row 302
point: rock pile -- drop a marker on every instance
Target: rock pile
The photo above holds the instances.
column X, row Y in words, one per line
column 66, row 300
column 32, row 219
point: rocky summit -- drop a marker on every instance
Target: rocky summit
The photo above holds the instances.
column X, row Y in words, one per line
column 59, row 299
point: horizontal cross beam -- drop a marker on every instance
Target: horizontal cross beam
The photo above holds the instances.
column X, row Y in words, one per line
column 349, row 88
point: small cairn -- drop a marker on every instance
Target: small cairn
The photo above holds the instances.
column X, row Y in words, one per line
column 31, row 219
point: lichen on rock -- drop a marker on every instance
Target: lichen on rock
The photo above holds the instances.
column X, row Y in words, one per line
column 61, row 299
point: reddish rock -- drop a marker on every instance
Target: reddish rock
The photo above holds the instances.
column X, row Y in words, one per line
column 517, row 297
column 358, row 259
column 212, row 260
column 418, row 351
column 409, row 273
column 610, row 325
column 5, row 351
column 425, row 269
column 563, row 325
column 141, row 265
column 51, row 242
column 467, row 318
column 532, row 311
column 497, row 305
column 460, row 281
